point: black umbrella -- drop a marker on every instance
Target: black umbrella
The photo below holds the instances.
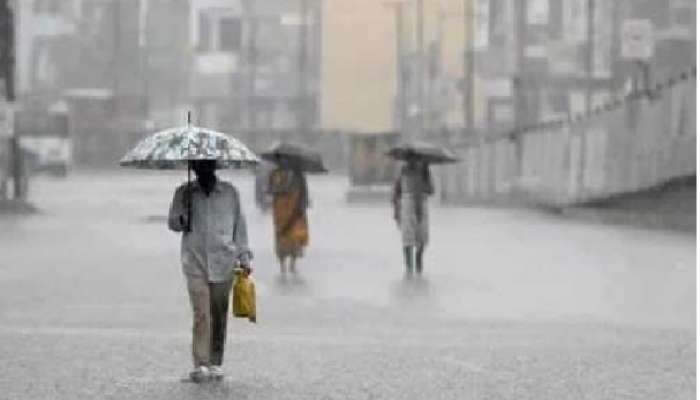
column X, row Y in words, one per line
column 422, row 151
column 290, row 155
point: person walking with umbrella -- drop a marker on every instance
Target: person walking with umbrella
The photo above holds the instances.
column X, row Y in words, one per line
column 290, row 200
column 410, row 194
column 214, row 238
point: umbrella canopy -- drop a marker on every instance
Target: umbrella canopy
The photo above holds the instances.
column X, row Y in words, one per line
column 174, row 147
column 422, row 151
column 292, row 155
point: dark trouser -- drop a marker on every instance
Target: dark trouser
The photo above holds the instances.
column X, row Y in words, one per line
column 210, row 311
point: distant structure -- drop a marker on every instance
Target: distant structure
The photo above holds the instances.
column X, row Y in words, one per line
column 542, row 59
column 256, row 65
column 129, row 66
column 579, row 102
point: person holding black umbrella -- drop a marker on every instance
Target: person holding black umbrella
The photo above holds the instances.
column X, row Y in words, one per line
column 290, row 199
column 410, row 198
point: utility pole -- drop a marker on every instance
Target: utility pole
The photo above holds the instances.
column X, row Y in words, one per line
column 302, row 116
column 616, row 23
column 401, row 75
column 252, row 61
column 420, row 70
column 437, row 107
column 468, row 68
column 590, row 16
column 116, row 51
column 590, row 54
column 519, row 89
column 144, row 48
column 7, row 70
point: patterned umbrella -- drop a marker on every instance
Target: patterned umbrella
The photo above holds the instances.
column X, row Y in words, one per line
column 174, row 147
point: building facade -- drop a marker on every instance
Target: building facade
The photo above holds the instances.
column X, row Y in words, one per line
column 256, row 65
column 540, row 60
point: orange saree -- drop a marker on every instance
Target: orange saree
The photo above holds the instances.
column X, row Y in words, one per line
column 289, row 205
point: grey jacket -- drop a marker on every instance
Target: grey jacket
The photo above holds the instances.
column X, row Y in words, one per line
column 218, row 239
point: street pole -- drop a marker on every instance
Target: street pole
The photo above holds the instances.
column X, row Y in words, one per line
column 420, row 59
column 7, row 69
column 589, row 93
column 144, row 47
column 302, row 117
column 400, row 123
column 519, row 83
column 468, row 69
column 116, row 27
column 437, row 116
column 589, row 55
column 615, row 22
column 252, row 61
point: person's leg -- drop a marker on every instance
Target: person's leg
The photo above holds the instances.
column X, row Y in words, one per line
column 293, row 264
column 283, row 266
column 198, row 289
column 219, row 300
column 408, row 259
column 419, row 259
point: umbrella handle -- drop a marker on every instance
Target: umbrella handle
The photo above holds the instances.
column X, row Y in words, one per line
column 188, row 227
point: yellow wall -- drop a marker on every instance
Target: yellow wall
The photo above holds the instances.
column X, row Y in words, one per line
column 357, row 66
column 358, row 71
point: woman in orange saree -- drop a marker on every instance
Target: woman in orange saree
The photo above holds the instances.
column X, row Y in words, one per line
column 290, row 200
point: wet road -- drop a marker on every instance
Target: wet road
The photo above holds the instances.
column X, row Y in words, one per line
column 515, row 304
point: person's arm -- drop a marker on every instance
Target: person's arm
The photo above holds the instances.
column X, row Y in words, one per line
column 429, row 186
column 305, row 188
column 273, row 185
column 240, row 232
column 396, row 198
column 177, row 216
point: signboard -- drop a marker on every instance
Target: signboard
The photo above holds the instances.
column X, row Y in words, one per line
column 637, row 39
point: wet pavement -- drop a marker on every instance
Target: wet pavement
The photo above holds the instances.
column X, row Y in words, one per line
column 515, row 304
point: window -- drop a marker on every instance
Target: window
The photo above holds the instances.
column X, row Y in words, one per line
column 219, row 32
column 683, row 13
column 204, row 32
column 50, row 7
column 230, row 34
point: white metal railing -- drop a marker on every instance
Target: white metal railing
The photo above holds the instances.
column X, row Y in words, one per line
column 636, row 143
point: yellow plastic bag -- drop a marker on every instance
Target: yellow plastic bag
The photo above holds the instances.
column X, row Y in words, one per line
column 243, row 296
